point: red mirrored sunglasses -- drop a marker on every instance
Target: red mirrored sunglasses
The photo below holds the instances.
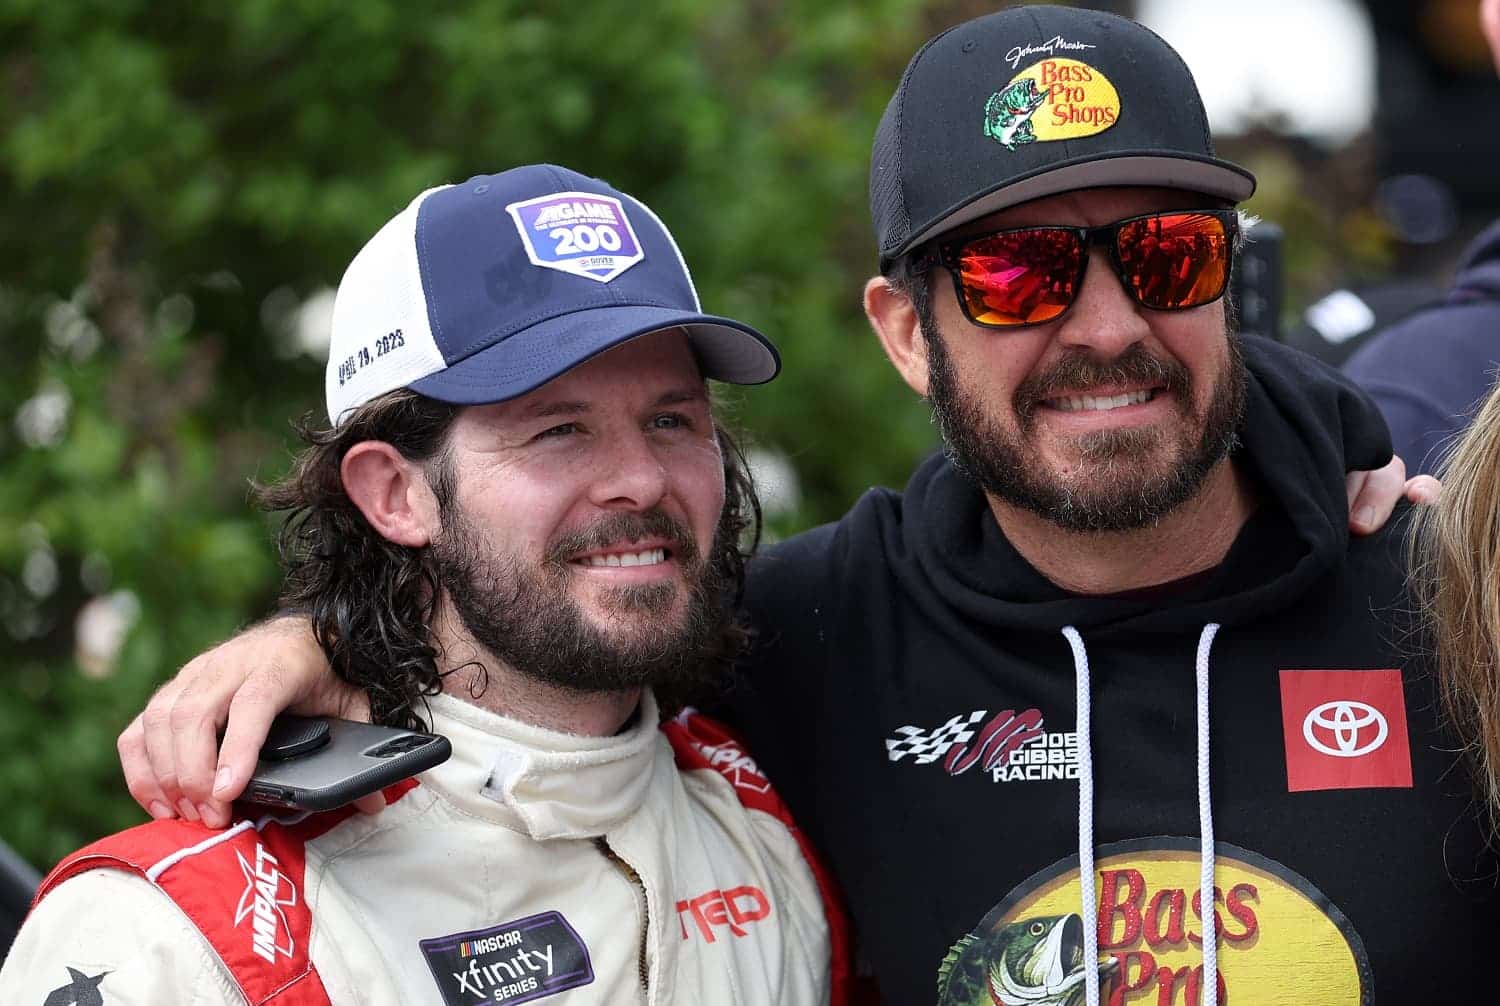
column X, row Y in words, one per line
column 1031, row 275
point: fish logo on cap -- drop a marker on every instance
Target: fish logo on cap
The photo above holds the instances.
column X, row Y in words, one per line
column 1053, row 99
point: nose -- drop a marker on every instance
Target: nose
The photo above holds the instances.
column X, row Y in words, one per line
column 629, row 474
column 1104, row 320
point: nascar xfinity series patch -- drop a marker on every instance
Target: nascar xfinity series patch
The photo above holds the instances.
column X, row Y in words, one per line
column 514, row 962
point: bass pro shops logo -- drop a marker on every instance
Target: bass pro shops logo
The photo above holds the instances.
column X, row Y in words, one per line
column 1011, row 746
column 1268, row 923
column 1345, row 730
column 1054, row 99
column 267, row 892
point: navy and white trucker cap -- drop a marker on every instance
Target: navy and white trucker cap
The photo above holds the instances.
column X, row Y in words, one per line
column 486, row 290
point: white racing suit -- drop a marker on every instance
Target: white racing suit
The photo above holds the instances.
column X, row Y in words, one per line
column 652, row 867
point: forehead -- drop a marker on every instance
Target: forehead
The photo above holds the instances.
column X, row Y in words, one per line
column 1089, row 208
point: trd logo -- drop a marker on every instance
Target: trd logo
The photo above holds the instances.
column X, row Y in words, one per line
column 733, row 908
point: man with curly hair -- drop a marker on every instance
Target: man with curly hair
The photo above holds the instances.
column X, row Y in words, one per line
column 521, row 527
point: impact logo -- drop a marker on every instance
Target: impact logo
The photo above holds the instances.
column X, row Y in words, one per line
column 1273, row 929
column 1055, row 99
column 514, row 962
column 1011, row 746
column 579, row 233
column 1345, row 730
column 267, row 892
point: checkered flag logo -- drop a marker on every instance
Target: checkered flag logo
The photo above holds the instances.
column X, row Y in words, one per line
column 928, row 747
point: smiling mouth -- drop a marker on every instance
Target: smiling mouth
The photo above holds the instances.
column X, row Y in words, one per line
column 646, row 557
column 1101, row 403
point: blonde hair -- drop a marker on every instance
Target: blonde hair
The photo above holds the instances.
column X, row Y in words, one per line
column 1455, row 565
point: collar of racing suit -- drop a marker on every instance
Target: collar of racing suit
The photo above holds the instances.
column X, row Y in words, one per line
column 543, row 783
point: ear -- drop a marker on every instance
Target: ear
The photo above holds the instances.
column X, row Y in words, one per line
column 894, row 319
column 391, row 492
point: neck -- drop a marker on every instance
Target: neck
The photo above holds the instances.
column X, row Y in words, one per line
column 1192, row 538
column 475, row 675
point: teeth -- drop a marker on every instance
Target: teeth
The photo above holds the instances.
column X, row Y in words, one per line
column 650, row 557
column 1100, row 403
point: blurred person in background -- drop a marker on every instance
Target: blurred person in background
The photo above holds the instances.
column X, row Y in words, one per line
column 983, row 690
column 524, row 517
column 1430, row 370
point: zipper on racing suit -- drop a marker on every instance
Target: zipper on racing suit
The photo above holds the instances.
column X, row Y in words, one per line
column 635, row 878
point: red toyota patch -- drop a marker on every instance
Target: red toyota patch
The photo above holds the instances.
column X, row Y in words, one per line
column 1345, row 730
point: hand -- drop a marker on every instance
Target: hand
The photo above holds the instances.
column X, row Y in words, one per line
column 1374, row 494
column 168, row 751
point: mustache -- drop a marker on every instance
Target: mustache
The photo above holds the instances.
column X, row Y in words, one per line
column 631, row 527
column 1074, row 374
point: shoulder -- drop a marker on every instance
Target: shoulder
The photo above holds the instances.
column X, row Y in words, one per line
column 239, row 898
column 711, row 755
column 116, row 934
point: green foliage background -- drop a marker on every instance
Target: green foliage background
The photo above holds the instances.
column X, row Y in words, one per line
column 177, row 177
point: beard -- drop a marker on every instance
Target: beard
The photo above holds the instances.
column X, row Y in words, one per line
column 1116, row 488
column 525, row 615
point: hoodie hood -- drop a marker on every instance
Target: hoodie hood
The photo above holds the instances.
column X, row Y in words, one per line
column 1296, row 440
column 1478, row 273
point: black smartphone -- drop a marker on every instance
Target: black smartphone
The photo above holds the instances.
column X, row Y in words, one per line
column 313, row 763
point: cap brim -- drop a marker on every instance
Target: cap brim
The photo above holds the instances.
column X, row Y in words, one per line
column 726, row 350
column 1208, row 175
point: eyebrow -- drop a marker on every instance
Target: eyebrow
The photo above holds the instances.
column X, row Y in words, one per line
column 548, row 410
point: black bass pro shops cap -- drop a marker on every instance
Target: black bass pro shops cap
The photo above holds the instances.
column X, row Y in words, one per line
column 1029, row 102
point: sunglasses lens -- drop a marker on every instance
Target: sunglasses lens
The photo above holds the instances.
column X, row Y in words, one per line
column 1019, row 277
column 1175, row 260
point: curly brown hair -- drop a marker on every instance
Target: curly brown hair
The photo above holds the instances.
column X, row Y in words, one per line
column 371, row 601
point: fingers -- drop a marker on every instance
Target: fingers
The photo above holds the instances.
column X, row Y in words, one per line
column 173, row 760
column 161, row 761
column 251, row 710
column 1489, row 22
column 370, row 803
column 1373, row 495
column 1423, row 489
column 202, row 705
column 139, row 777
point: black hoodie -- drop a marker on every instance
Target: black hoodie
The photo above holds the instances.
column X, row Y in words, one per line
column 915, row 699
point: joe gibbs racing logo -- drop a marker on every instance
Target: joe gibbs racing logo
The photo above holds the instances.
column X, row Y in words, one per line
column 1270, row 922
column 1010, row 746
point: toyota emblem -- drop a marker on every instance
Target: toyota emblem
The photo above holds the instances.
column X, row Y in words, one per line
column 1353, row 728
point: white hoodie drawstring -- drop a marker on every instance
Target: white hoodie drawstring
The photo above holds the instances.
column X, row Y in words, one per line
column 1088, row 908
column 1208, row 994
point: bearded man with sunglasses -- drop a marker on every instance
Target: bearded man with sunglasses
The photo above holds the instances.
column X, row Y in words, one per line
column 988, row 697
